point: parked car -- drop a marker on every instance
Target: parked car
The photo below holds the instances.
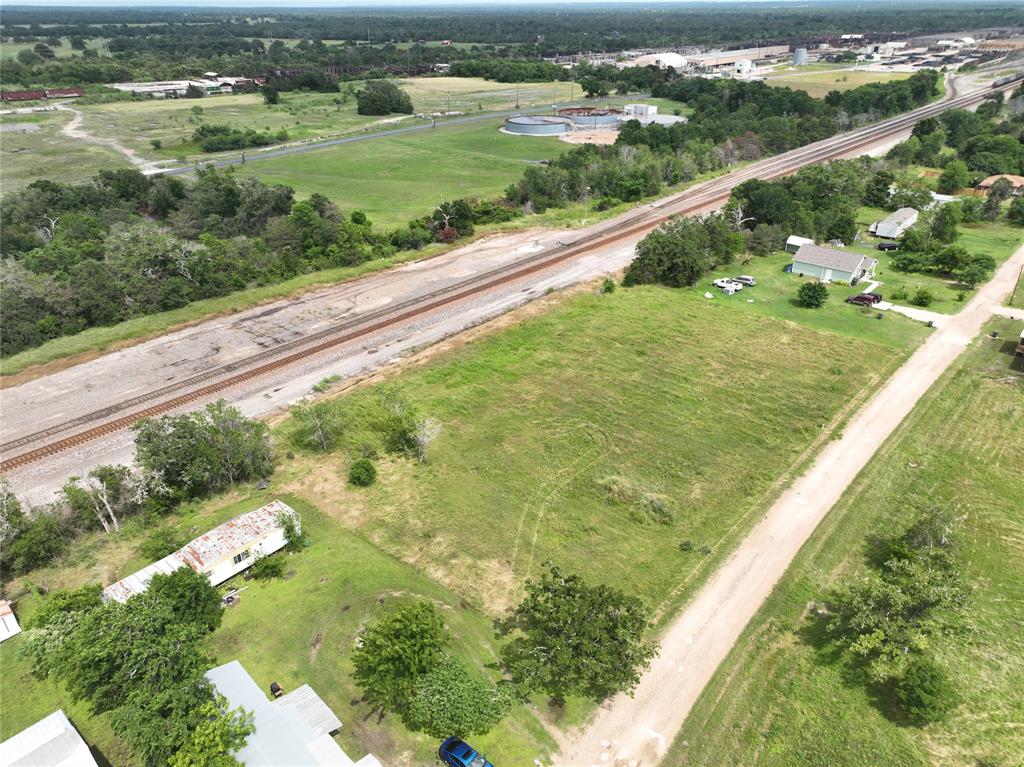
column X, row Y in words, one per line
column 877, row 297
column 728, row 285
column 457, row 753
column 745, row 279
column 861, row 299
column 888, row 246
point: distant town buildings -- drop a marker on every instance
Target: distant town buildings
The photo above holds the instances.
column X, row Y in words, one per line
column 209, row 84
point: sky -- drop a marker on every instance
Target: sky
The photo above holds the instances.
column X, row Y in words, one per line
column 493, row 4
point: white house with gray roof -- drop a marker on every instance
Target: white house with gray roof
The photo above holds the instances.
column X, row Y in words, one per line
column 831, row 265
column 895, row 224
column 50, row 742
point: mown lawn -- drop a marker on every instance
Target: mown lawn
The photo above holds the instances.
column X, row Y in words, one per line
column 691, row 402
column 398, row 178
column 819, row 82
column 777, row 701
column 293, row 631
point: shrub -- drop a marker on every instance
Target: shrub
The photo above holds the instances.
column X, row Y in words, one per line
column 267, row 568
column 362, row 472
column 899, row 294
column 453, row 699
column 189, row 596
column 923, row 297
column 812, row 295
column 608, row 285
column 925, row 693
column 161, row 542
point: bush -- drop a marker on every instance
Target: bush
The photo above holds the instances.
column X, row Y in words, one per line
column 380, row 97
column 267, row 568
column 190, row 597
column 454, row 700
column 899, row 294
column 925, row 693
column 608, row 285
column 362, row 472
column 923, row 297
column 812, row 295
column 161, row 542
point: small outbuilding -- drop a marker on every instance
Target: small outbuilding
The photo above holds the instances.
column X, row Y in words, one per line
column 52, row 741
column 8, row 621
column 794, row 242
column 830, row 265
column 226, row 550
column 895, row 224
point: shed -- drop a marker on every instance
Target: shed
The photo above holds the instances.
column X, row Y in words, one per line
column 795, row 242
column 895, row 224
column 8, row 621
column 830, row 265
column 291, row 730
column 224, row 551
column 53, row 742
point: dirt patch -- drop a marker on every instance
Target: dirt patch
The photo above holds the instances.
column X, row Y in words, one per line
column 20, row 127
column 601, row 137
column 315, row 645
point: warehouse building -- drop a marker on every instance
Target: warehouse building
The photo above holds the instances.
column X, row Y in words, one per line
column 226, row 550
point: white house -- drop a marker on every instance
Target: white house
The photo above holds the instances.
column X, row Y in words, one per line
column 52, row 742
column 8, row 621
column 294, row 729
column 795, row 242
column 830, row 265
column 219, row 554
column 895, row 224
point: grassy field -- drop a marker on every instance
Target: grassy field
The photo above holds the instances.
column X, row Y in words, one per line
column 821, row 80
column 777, row 701
column 299, row 630
column 648, row 387
column 28, row 154
column 64, row 50
column 411, row 174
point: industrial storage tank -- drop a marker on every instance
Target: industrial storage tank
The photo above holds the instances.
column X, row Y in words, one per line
column 800, row 56
column 591, row 117
column 537, row 125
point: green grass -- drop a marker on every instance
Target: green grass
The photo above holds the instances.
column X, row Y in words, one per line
column 776, row 701
column 1017, row 297
column 299, row 630
column 682, row 398
column 63, row 51
column 398, row 178
column 46, row 153
column 818, row 83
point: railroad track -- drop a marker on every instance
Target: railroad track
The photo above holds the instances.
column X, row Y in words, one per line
column 709, row 194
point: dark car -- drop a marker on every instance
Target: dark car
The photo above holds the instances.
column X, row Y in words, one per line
column 876, row 297
column 457, row 753
column 862, row 299
column 888, row 246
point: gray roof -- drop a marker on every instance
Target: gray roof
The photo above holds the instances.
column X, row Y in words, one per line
column 52, row 741
column 899, row 217
column 828, row 258
column 311, row 708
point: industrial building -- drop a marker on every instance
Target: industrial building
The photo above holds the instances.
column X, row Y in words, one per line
column 537, row 125
column 226, row 550
column 647, row 114
column 210, row 84
column 293, row 729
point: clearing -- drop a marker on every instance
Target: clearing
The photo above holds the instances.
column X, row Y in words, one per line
column 777, row 700
column 835, row 78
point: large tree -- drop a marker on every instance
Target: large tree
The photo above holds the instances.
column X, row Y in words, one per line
column 453, row 699
column 571, row 638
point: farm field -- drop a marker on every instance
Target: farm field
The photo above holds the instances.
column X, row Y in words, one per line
column 556, row 430
column 299, row 630
column 777, row 700
column 819, row 82
column 42, row 151
column 9, row 50
column 411, row 174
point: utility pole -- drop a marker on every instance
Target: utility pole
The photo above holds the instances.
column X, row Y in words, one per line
column 449, row 102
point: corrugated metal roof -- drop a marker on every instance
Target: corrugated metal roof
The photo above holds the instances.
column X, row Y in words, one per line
column 207, row 549
column 311, row 708
column 827, row 258
column 52, row 742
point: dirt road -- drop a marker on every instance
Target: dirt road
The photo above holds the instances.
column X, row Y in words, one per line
column 636, row 732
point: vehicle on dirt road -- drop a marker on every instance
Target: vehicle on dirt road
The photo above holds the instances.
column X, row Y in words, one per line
column 745, row 279
column 458, row 753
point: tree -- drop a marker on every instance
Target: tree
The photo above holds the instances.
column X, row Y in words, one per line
column 193, row 91
column 954, row 177
column 1015, row 214
column 998, row 193
column 220, row 734
column 945, row 223
column 976, row 270
column 675, row 254
column 270, row 95
column 454, row 700
column 190, row 595
column 924, row 692
column 318, row 425
column 570, row 638
column 396, row 651
column 381, row 97
column 812, row 295
column 923, row 297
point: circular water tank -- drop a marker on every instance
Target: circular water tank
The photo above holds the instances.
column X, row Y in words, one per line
column 800, row 56
column 591, row 117
column 537, row 125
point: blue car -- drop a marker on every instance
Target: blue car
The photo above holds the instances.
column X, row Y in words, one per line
column 456, row 753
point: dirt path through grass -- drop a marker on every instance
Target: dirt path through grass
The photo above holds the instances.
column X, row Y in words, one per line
column 637, row 731
column 74, row 130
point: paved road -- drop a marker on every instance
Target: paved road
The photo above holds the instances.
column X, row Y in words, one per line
column 637, row 731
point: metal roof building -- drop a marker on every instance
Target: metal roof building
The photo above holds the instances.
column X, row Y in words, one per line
column 830, row 265
column 50, row 742
column 222, row 552
column 293, row 730
column 895, row 224
column 8, row 621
